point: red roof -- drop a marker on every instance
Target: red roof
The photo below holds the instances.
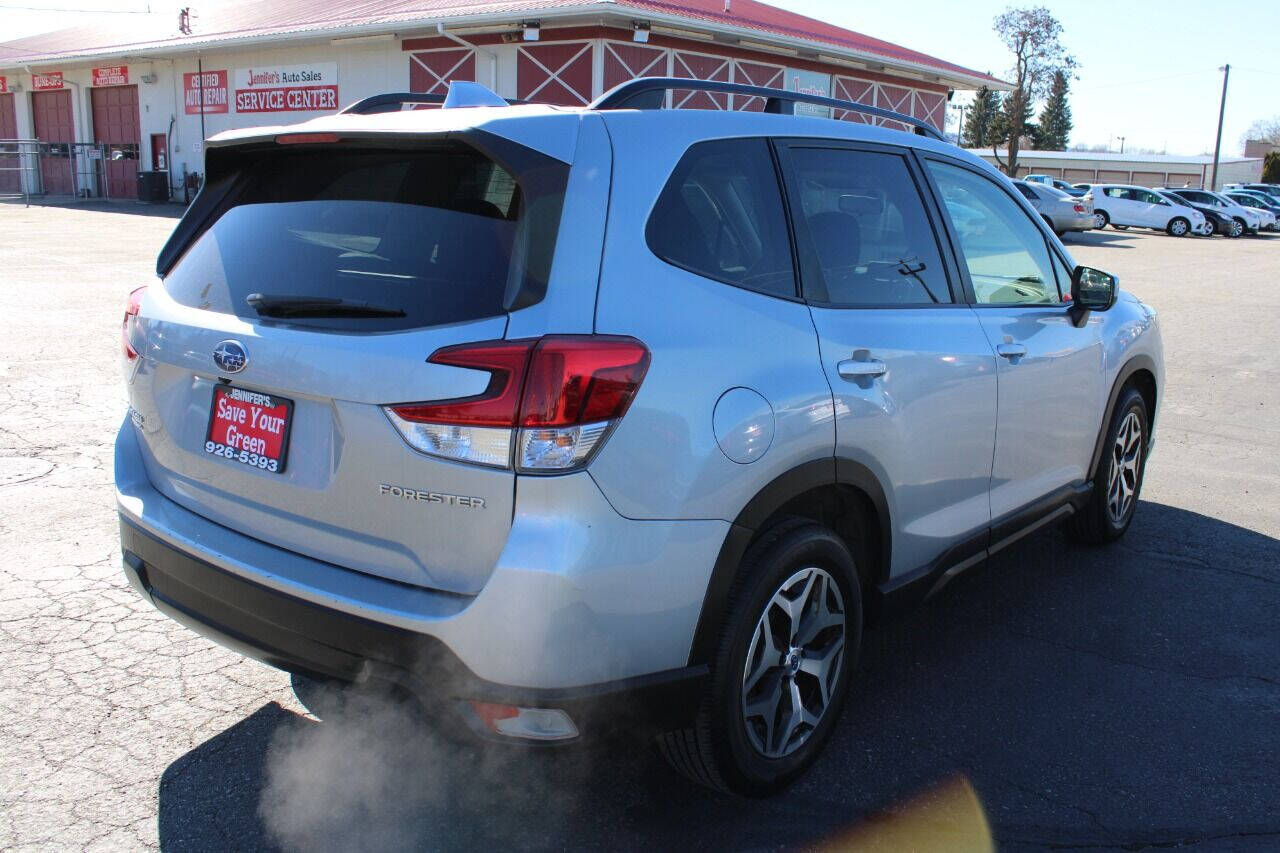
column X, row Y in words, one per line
column 230, row 23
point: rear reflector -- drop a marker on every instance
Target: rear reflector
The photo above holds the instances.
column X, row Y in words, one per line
column 555, row 397
column 527, row 723
column 131, row 309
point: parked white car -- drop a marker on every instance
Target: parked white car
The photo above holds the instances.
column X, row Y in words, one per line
column 1123, row 206
column 1253, row 219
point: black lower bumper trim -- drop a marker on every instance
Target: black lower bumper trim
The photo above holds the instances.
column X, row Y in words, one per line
column 302, row 637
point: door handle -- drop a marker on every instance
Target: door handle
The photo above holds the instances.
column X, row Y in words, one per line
column 869, row 369
column 1011, row 351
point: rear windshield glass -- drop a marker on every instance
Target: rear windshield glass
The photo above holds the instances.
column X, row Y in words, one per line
column 372, row 239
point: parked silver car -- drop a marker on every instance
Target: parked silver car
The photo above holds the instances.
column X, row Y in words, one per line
column 1060, row 211
column 577, row 420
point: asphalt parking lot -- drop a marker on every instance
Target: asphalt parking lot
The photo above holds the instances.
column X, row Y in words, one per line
column 1123, row 698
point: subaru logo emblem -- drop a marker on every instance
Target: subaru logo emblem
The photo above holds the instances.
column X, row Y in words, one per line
column 230, row 356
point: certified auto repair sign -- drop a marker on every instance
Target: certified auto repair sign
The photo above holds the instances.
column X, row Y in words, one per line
column 287, row 88
column 204, row 93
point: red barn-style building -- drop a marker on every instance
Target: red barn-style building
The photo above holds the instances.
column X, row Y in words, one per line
column 151, row 91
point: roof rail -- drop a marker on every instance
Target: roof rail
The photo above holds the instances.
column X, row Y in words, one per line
column 648, row 93
column 393, row 102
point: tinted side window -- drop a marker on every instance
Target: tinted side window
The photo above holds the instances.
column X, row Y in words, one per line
column 1004, row 249
column 872, row 240
column 1026, row 191
column 720, row 216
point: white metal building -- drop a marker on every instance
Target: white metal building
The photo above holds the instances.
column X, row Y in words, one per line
column 148, row 94
column 1144, row 170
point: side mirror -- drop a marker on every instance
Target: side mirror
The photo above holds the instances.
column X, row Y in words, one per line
column 1092, row 290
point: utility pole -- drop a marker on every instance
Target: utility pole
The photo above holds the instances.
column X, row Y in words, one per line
column 1121, row 138
column 1222, row 110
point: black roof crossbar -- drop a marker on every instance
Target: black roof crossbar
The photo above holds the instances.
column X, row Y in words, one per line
column 394, row 102
column 649, row 93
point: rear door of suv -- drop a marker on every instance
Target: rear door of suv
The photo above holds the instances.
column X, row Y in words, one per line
column 910, row 368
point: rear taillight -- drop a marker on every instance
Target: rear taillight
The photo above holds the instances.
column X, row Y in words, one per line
column 548, row 406
column 131, row 309
column 1079, row 208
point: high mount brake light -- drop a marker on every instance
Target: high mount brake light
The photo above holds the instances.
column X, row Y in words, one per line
column 555, row 397
column 131, row 309
column 305, row 138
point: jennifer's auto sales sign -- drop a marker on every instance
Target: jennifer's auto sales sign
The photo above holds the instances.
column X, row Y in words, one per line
column 111, row 75
column 204, row 93
column 288, row 88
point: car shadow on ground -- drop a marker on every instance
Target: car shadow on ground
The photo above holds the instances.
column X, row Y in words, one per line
column 1093, row 696
column 1109, row 238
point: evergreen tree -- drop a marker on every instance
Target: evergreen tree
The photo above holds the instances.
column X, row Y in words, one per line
column 978, row 123
column 1010, row 116
column 1055, row 118
column 1271, row 168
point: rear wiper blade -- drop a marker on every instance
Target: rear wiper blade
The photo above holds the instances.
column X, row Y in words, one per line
column 269, row 305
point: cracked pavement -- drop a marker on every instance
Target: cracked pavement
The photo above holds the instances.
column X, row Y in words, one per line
column 1122, row 698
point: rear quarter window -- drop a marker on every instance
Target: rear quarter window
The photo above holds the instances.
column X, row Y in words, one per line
column 720, row 215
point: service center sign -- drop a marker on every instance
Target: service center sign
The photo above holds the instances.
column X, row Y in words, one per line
column 205, row 93
column 288, row 88
column 45, row 82
column 111, row 75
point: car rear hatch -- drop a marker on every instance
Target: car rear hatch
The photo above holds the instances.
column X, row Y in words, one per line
column 303, row 293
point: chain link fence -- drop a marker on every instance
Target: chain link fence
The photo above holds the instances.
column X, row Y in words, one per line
column 31, row 169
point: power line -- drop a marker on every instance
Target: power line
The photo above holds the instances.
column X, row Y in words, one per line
column 1257, row 71
column 1150, row 80
column 79, row 11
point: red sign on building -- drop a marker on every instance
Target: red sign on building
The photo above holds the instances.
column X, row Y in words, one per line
column 46, row 81
column 4, row 85
column 111, row 75
column 205, row 93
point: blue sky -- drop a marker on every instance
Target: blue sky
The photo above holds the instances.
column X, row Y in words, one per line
column 1148, row 71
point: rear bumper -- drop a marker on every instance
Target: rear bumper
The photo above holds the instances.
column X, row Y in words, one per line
column 584, row 607
column 1083, row 222
column 300, row 636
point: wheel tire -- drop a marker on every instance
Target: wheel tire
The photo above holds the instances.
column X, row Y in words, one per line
column 1178, row 227
column 1107, row 515
column 1237, row 227
column 719, row 751
column 1101, row 219
column 1211, row 225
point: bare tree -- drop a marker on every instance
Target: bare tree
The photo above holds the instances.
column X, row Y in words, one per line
column 1034, row 37
column 1265, row 129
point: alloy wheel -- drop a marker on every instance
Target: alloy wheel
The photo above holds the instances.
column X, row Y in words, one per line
column 1236, row 228
column 1126, row 461
column 794, row 662
column 1099, row 221
column 1178, row 228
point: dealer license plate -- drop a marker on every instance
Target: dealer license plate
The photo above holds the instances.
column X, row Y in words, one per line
column 249, row 427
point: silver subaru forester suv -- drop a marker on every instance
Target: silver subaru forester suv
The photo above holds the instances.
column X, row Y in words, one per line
column 576, row 421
